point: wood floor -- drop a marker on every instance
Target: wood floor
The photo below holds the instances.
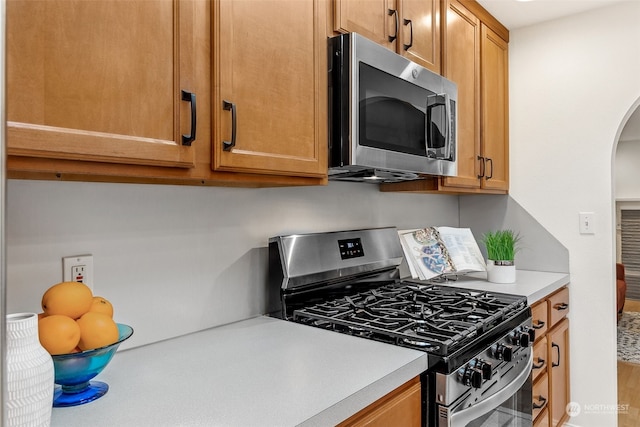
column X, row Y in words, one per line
column 629, row 385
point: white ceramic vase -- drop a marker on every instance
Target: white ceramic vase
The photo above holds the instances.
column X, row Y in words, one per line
column 501, row 271
column 30, row 374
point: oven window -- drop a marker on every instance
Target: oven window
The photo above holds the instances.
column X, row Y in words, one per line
column 393, row 113
column 516, row 411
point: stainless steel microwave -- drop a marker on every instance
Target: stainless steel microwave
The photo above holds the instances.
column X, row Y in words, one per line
column 390, row 119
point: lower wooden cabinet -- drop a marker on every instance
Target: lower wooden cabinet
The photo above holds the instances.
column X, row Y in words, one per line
column 401, row 407
column 550, row 374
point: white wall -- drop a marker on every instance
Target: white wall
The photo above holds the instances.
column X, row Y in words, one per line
column 179, row 259
column 573, row 84
column 627, row 172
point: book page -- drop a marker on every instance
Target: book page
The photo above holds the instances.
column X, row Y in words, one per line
column 426, row 253
column 463, row 249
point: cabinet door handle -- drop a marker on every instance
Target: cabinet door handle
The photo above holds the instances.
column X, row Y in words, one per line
column 539, row 325
column 191, row 98
column 561, row 306
column 408, row 22
column 557, row 347
column 543, row 402
column 227, row 146
column 539, row 365
column 482, row 166
column 490, row 161
column 393, row 12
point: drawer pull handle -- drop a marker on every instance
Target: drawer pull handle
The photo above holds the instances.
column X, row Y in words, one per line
column 540, row 365
column 483, row 165
column 490, row 162
column 557, row 347
column 227, row 146
column 408, row 22
column 539, row 325
column 393, row 12
column 191, row 98
column 543, row 402
column 561, row 306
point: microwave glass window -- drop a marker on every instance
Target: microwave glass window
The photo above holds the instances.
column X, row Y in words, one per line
column 400, row 116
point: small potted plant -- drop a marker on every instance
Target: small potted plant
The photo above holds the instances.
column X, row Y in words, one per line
column 502, row 246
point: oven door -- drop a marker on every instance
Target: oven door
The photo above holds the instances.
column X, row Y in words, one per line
column 511, row 406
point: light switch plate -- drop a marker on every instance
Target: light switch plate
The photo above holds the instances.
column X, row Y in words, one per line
column 587, row 222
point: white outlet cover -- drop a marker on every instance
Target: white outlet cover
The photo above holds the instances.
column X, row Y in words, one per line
column 86, row 261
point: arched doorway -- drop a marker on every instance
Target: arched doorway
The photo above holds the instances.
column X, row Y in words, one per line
column 626, row 205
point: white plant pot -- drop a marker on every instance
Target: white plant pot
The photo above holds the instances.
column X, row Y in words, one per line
column 501, row 271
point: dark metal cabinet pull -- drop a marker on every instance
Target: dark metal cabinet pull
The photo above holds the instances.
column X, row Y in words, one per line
column 540, row 363
column 394, row 12
column 408, row 22
column 538, row 325
column 227, row 146
column 490, row 161
column 543, row 401
column 482, row 166
column 557, row 347
column 561, row 306
column 190, row 97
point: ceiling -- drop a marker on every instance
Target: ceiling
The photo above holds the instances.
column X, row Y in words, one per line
column 515, row 14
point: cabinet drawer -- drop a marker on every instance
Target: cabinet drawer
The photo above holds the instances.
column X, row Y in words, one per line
column 540, row 315
column 539, row 358
column 558, row 306
column 543, row 419
column 540, row 395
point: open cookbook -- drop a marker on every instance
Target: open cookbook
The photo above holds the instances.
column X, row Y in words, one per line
column 441, row 251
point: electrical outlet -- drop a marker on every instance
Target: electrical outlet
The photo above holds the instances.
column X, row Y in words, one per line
column 78, row 268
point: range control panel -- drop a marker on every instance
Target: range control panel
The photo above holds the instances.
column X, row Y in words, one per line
column 350, row 248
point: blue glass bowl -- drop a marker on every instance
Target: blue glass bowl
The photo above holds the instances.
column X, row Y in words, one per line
column 73, row 372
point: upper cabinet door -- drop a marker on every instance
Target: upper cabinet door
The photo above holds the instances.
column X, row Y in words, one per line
column 377, row 20
column 100, row 80
column 494, row 82
column 462, row 65
column 270, row 87
column 420, row 32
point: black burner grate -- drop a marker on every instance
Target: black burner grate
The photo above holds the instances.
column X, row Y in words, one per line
column 435, row 318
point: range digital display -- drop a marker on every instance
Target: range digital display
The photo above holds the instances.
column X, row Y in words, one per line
column 350, row 248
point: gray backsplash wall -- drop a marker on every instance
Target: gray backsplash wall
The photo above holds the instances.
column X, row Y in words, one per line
column 176, row 259
column 539, row 249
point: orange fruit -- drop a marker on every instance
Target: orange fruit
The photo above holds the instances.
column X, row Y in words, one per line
column 71, row 299
column 102, row 305
column 96, row 330
column 58, row 334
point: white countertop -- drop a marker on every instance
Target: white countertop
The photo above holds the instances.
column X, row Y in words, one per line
column 263, row 372
column 535, row 285
column 258, row 372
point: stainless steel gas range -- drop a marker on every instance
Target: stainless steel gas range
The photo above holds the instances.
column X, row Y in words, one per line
column 478, row 343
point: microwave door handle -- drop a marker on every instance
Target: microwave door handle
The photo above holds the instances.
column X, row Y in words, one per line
column 483, row 407
column 448, row 135
column 448, row 131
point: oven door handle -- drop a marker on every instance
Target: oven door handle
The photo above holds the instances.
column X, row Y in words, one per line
column 483, row 407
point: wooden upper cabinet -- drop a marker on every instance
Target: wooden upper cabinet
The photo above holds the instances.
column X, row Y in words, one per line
column 495, row 110
column 270, row 87
column 408, row 27
column 373, row 19
column 100, row 81
column 462, row 66
column 420, row 32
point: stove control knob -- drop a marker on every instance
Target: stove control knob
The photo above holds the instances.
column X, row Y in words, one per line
column 503, row 352
column 472, row 377
column 532, row 334
column 483, row 366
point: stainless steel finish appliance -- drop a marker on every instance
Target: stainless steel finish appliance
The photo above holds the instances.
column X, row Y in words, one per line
column 390, row 118
column 478, row 343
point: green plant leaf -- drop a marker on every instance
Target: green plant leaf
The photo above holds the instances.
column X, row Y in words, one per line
column 501, row 245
